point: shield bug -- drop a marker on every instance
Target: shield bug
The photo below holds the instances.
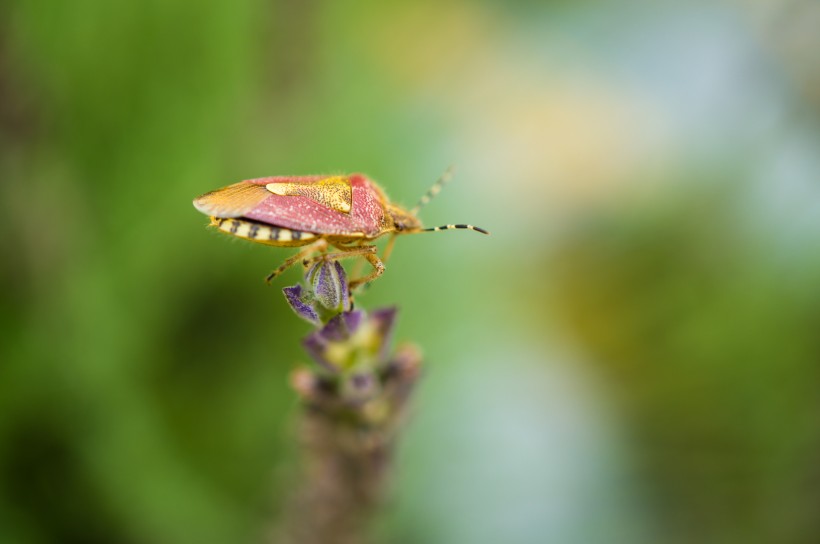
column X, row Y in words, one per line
column 346, row 212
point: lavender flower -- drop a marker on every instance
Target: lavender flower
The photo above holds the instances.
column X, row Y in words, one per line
column 354, row 397
column 346, row 341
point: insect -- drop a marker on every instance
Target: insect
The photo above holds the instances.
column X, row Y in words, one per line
column 346, row 212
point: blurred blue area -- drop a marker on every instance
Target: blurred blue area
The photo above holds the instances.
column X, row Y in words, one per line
column 631, row 357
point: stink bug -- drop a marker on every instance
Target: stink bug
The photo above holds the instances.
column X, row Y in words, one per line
column 346, row 212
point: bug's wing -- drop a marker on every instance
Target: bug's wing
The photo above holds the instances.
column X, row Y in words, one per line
column 232, row 201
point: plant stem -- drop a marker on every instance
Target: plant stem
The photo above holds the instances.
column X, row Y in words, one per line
column 347, row 452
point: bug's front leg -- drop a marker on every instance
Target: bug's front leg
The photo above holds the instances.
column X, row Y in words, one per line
column 378, row 269
column 318, row 245
column 388, row 249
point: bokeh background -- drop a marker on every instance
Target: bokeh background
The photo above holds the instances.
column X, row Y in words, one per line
column 632, row 356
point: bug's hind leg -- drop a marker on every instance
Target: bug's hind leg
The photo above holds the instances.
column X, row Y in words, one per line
column 319, row 245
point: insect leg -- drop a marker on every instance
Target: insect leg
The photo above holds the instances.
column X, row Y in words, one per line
column 434, row 190
column 343, row 253
column 378, row 270
column 388, row 248
column 366, row 251
column 357, row 268
column 319, row 245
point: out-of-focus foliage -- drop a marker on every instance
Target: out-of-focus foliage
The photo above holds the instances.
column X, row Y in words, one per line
column 710, row 339
column 631, row 357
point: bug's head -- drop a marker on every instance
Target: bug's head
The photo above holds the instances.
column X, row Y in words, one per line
column 403, row 221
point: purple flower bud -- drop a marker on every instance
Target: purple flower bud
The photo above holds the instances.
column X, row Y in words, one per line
column 327, row 295
column 352, row 337
column 342, row 327
column 329, row 283
column 330, row 345
column 298, row 301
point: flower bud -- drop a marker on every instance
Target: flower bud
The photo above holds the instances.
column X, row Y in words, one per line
column 329, row 283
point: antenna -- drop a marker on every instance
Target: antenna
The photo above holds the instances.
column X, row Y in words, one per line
column 454, row 227
column 434, row 190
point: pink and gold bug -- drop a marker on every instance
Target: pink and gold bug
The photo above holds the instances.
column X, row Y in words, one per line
column 347, row 212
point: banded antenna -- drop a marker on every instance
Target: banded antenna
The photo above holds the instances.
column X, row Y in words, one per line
column 455, row 227
column 434, row 190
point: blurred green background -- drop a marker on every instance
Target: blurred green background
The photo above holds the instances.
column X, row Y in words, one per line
column 632, row 357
